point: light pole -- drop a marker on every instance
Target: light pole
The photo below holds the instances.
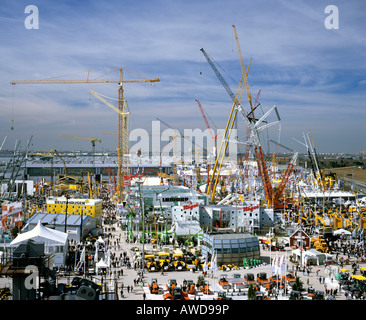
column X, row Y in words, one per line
column 143, row 230
column 159, row 196
column 81, row 224
column 67, row 204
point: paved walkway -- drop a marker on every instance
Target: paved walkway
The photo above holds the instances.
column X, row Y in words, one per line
column 324, row 273
column 129, row 275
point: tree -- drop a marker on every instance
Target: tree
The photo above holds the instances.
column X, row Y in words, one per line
column 298, row 285
column 251, row 292
column 14, row 231
column 200, row 280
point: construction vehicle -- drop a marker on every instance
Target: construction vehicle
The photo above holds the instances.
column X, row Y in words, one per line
column 178, row 263
column 237, row 282
column 249, row 278
column 311, row 292
column 192, row 263
column 318, row 295
column 318, row 238
column 205, row 287
column 150, row 263
column 164, row 261
column 260, row 295
column 189, row 286
column 262, row 279
column 224, row 283
column 289, row 278
column 295, row 295
column 321, row 247
column 343, row 275
column 172, row 283
column 228, row 267
column 176, row 294
column 221, row 295
column 319, row 243
column 153, row 286
column 275, row 279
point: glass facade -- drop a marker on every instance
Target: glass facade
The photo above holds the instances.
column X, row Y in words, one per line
column 231, row 248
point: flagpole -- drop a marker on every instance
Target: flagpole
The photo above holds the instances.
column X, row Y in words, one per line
column 278, row 270
column 285, row 270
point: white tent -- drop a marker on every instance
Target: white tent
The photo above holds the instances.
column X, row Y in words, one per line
column 100, row 265
column 100, row 240
column 342, row 231
column 310, row 256
column 54, row 241
column 186, row 228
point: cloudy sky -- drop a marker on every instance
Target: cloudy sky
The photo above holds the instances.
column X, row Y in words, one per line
column 314, row 75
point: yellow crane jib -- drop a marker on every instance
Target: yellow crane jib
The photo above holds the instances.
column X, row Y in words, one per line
column 108, row 103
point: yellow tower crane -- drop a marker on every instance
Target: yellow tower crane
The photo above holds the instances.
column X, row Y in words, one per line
column 123, row 146
column 100, row 79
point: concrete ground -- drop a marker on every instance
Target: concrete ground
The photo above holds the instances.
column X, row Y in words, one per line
column 137, row 292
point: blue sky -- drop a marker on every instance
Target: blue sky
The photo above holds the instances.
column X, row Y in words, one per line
column 316, row 77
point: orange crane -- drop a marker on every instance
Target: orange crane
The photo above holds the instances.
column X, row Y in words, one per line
column 214, row 138
column 285, row 176
column 121, row 105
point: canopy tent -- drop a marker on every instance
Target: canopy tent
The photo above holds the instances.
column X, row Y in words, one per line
column 186, row 228
column 100, row 240
column 100, row 265
column 342, row 231
column 309, row 257
column 53, row 240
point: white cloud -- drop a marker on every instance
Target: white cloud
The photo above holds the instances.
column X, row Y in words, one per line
column 297, row 63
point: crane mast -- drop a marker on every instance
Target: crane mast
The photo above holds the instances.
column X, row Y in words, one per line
column 211, row 187
column 122, row 120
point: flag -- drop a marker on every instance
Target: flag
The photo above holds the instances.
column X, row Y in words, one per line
column 205, row 265
column 214, row 262
column 278, row 266
column 96, row 253
column 107, row 258
column 274, row 263
column 283, row 264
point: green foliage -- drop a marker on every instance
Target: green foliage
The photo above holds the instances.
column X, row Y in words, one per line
column 298, row 285
column 251, row 292
column 200, row 280
column 14, row 231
